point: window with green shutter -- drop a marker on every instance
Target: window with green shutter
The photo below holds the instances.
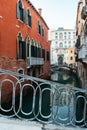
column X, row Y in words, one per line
column 38, row 52
column 32, row 50
column 43, row 54
column 42, row 31
column 28, row 18
column 39, row 28
column 20, row 11
column 22, row 50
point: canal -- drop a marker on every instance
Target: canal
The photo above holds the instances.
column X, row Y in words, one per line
column 65, row 78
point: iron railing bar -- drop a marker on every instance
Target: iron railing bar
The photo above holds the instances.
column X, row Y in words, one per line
column 41, row 80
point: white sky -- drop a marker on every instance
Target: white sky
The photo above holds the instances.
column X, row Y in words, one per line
column 58, row 13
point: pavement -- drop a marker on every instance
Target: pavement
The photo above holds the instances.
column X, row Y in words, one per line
column 12, row 124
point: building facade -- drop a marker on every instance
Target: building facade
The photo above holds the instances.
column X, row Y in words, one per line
column 81, row 44
column 62, row 40
column 24, row 45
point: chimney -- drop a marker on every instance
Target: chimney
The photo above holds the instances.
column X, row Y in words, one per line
column 40, row 11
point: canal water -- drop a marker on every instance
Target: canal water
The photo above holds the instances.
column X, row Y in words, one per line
column 65, row 78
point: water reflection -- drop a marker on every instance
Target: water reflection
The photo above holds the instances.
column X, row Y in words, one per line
column 63, row 108
column 64, row 78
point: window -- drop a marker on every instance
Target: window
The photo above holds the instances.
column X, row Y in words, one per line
column 64, row 37
column 71, row 58
column 55, row 33
column 56, row 42
column 60, row 36
column 35, row 50
column 22, row 53
column 43, row 54
column 21, row 48
column 69, row 37
column 28, row 18
column 61, row 44
column 39, row 28
column 42, row 31
column 56, row 37
column 32, row 50
column 28, row 45
column 38, row 52
column 20, row 11
column 48, row 56
column 65, row 33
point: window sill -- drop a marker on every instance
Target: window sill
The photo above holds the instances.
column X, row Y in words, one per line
column 20, row 20
column 29, row 26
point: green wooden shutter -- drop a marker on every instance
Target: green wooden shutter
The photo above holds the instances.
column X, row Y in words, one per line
column 23, row 12
column 23, row 50
column 31, row 21
column 17, row 11
column 43, row 54
column 27, row 17
column 32, row 50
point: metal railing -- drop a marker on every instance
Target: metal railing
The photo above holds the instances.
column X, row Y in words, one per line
column 31, row 98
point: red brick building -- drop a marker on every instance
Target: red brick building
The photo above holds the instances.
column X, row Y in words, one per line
column 24, row 45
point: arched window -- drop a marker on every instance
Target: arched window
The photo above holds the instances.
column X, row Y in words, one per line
column 42, row 31
column 43, row 53
column 28, row 18
column 19, row 11
column 32, row 48
column 28, row 46
column 71, row 58
column 39, row 28
column 21, row 47
column 61, row 44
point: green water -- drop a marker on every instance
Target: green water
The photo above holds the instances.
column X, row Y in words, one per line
column 65, row 78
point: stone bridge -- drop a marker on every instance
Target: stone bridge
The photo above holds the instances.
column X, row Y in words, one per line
column 64, row 67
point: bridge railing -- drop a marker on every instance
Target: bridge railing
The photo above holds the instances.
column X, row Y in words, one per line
column 30, row 98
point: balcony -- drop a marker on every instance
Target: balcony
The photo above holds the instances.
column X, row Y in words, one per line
column 34, row 61
column 83, row 54
column 84, row 12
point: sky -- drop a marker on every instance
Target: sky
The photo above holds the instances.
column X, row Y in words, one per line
column 58, row 13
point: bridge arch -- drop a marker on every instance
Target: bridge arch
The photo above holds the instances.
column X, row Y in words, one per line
column 60, row 60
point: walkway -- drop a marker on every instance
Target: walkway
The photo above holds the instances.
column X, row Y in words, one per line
column 9, row 124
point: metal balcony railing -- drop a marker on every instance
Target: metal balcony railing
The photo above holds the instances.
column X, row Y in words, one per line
column 34, row 61
column 41, row 100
